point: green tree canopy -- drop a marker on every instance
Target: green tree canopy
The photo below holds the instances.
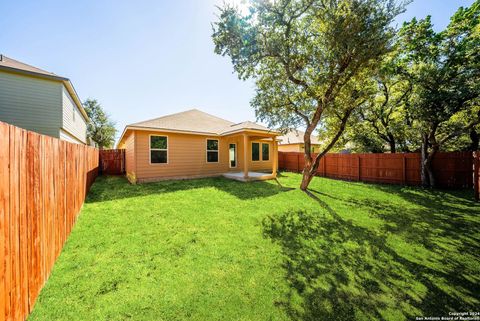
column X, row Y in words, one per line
column 101, row 129
column 444, row 69
column 309, row 59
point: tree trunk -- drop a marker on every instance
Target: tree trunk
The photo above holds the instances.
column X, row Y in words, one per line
column 310, row 169
column 393, row 146
column 306, row 179
column 428, row 167
column 428, row 176
column 431, row 176
column 424, row 150
column 311, row 165
column 475, row 138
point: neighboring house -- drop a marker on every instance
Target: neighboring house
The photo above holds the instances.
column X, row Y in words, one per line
column 40, row 101
column 292, row 141
column 195, row 144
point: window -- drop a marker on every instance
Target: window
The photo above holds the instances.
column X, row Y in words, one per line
column 232, row 154
column 158, row 149
column 255, row 151
column 265, row 152
column 212, row 151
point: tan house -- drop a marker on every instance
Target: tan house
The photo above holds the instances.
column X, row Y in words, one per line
column 292, row 141
column 194, row 144
column 41, row 101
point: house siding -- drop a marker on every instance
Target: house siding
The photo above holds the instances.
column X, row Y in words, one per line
column 73, row 121
column 186, row 157
column 130, row 164
column 289, row 148
column 68, row 137
column 297, row 148
column 31, row 103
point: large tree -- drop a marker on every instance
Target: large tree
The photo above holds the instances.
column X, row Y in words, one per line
column 101, row 129
column 444, row 69
column 386, row 114
column 308, row 58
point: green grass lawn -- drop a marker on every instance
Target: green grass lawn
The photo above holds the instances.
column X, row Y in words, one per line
column 215, row 249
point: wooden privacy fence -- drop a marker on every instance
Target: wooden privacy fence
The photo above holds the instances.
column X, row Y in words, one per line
column 112, row 161
column 43, row 184
column 452, row 170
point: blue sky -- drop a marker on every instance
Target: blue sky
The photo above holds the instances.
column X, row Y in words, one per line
column 144, row 59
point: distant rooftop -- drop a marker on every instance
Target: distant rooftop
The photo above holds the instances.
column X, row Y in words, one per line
column 296, row 137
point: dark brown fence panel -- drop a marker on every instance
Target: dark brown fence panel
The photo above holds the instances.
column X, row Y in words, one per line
column 452, row 170
column 43, row 183
column 112, row 161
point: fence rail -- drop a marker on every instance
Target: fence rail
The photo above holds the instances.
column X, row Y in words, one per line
column 452, row 170
column 43, row 184
column 112, row 161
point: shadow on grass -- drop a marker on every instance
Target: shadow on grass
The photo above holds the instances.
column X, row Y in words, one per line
column 421, row 263
column 108, row 188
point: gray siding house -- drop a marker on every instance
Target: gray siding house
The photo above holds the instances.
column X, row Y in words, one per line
column 40, row 101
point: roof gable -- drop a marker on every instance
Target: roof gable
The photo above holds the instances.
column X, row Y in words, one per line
column 192, row 120
column 195, row 120
column 18, row 65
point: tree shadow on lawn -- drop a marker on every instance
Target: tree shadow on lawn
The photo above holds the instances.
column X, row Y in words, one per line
column 440, row 213
column 419, row 263
column 108, row 188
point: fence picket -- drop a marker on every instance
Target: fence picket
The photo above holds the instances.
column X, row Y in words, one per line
column 33, row 203
column 112, row 161
column 452, row 170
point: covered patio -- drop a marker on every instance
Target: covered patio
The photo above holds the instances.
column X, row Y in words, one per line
column 251, row 176
column 253, row 161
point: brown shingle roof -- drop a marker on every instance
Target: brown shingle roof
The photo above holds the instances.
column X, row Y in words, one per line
column 296, row 137
column 244, row 126
column 15, row 64
column 195, row 120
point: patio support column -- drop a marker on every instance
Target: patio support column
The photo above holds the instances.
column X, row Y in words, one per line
column 245, row 156
column 275, row 157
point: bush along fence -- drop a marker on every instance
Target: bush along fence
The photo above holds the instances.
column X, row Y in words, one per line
column 43, row 184
column 452, row 170
column 112, row 161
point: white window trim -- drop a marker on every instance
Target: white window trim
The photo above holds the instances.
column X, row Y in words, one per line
column 259, row 152
column 150, row 149
column 265, row 160
column 212, row 150
column 236, row 158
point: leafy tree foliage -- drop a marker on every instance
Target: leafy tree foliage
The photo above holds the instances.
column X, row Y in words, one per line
column 101, row 129
column 444, row 70
column 309, row 59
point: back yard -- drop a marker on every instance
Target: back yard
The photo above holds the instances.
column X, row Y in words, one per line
column 215, row 249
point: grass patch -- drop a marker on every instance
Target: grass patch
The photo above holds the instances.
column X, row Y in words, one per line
column 216, row 249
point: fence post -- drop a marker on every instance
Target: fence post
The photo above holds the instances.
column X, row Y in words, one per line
column 404, row 169
column 298, row 163
column 324, row 165
column 476, row 174
column 359, row 168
